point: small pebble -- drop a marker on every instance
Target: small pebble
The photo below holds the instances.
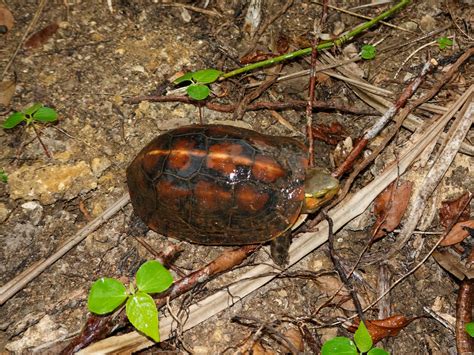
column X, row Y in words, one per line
column 4, row 211
column 427, row 23
column 409, row 25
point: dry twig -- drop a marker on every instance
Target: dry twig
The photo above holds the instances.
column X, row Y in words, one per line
column 464, row 304
column 456, row 135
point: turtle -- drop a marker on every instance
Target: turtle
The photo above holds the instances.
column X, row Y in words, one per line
column 226, row 185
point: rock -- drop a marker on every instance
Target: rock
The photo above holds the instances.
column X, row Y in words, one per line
column 427, row 23
column 43, row 332
column 51, row 183
column 339, row 27
column 99, row 165
column 409, row 25
column 34, row 211
column 4, row 212
column 138, row 69
column 297, row 84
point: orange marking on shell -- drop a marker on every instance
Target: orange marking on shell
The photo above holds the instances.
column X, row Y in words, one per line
column 151, row 158
column 211, row 197
column 224, row 157
column 249, row 199
column 180, row 154
column 170, row 193
column 266, row 169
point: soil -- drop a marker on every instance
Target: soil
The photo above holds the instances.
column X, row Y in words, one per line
column 97, row 59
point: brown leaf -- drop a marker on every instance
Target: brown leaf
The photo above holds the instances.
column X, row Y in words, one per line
column 256, row 56
column 7, row 90
column 382, row 328
column 39, row 38
column 389, row 208
column 331, row 134
column 282, row 44
column 458, row 233
column 450, row 210
column 6, row 20
column 259, row 349
column 294, row 337
column 451, row 261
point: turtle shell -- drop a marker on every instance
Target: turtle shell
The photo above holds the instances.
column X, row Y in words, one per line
column 218, row 185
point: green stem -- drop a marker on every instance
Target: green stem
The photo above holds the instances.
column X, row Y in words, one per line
column 337, row 42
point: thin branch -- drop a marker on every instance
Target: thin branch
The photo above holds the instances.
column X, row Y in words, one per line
column 341, row 271
column 382, row 122
column 288, row 104
column 25, row 34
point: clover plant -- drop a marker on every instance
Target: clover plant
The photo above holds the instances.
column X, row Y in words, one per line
column 35, row 113
column 362, row 344
column 108, row 294
column 199, row 89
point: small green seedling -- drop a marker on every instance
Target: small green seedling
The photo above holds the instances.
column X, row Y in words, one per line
column 444, row 42
column 32, row 114
column 362, row 344
column 108, row 294
column 199, row 89
column 368, row 51
column 470, row 329
column 3, row 176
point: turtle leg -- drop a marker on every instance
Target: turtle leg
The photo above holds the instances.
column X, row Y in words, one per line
column 279, row 248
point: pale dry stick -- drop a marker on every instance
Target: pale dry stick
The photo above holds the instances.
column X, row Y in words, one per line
column 317, row 28
column 413, row 41
column 305, row 72
column 439, row 168
column 382, row 121
column 413, row 53
column 360, row 83
column 372, row 4
column 194, row 8
column 21, row 280
column 278, row 14
column 412, row 122
column 439, row 318
column 348, row 209
column 25, row 34
column 363, row 16
column 281, row 120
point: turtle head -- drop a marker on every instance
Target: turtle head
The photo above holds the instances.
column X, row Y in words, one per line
column 319, row 188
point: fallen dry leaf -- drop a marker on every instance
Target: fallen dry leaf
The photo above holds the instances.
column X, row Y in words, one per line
column 39, row 38
column 458, row 233
column 258, row 349
column 291, row 340
column 389, row 208
column 382, row 328
column 6, row 20
column 330, row 134
column 7, row 90
column 451, row 261
column 256, row 56
column 294, row 337
column 450, row 211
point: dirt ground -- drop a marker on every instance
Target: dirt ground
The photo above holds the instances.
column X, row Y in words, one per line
column 97, row 59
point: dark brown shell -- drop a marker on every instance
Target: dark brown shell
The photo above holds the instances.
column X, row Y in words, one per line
column 216, row 184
